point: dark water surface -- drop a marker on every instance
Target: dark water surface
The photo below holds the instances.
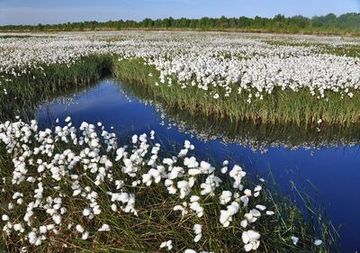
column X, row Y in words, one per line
column 328, row 168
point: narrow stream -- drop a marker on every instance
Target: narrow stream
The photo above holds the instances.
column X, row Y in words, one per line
column 328, row 171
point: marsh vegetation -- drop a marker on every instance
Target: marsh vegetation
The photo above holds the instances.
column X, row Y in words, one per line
column 77, row 188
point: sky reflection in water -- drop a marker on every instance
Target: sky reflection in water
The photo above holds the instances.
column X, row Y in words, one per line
column 333, row 172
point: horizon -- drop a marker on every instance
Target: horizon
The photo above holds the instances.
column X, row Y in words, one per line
column 25, row 12
column 175, row 18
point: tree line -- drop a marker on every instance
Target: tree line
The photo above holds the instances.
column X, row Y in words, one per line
column 330, row 23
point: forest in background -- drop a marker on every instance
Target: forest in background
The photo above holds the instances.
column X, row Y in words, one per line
column 348, row 23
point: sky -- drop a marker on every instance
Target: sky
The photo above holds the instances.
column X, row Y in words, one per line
column 60, row 11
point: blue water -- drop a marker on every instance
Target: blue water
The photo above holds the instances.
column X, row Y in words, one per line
column 330, row 174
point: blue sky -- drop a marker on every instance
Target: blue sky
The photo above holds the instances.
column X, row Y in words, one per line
column 55, row 11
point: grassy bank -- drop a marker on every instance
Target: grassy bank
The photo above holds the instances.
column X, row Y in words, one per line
column 75, row 174
column 156, row 221
column 345, row 50
column 19, row 95
column 282, row 106
column 249, row 133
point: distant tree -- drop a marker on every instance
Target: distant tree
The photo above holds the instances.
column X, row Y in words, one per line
column 299, row 21
column 349, row 22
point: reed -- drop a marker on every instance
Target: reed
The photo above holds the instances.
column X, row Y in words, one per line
column 248, row 133
column 282, row 106
column 24, row 93
column 156, row 221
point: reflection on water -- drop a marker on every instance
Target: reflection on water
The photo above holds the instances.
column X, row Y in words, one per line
column 253, row 135
column 25, row 107
column 329, row 159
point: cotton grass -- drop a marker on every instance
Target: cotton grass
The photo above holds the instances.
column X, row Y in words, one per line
column 72, row 186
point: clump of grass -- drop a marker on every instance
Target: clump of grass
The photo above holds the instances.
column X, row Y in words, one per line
column 348, row 50
column 155, row 220
column 282, row 106
column 256, row 135
column 23, row 93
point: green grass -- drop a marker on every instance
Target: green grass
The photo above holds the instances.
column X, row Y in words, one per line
column 254, row 134
column 282, row 106
column 157, row 222
column 26, row 92
column 348, row 50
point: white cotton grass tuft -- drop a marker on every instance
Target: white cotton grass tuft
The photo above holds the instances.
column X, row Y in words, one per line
column 104, row 228
column 318, row 242
column 190, row 251
column 251, row 239
column 117, row 175
column 167, row 244
column 198, row 232
column 295, row 240
column 79, row 228
column 198, row 62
